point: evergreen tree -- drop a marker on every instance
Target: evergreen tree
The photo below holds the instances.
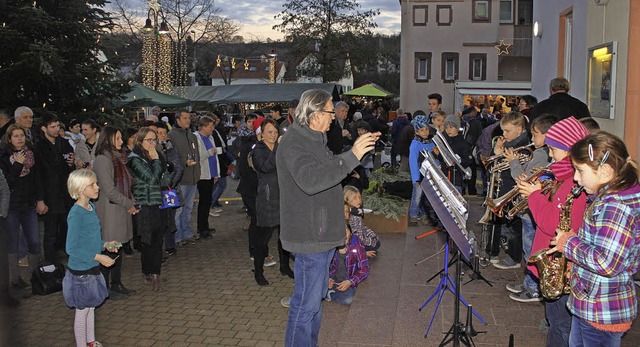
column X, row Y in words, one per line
column 53, row 55
column 328, row 29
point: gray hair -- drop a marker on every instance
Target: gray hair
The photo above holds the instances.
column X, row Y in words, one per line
column 341, row 104
column 20, row 110
column 559, row 83
column 311, row 102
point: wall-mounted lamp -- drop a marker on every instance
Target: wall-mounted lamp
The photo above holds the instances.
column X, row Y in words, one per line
column 537, row 29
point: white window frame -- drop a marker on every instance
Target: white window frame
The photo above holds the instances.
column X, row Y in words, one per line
column 477, row 73
column 426, row 68
column 510, row 19
column 450, row 62
column 475, row 10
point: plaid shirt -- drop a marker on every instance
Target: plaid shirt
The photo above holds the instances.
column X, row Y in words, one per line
column 364, row 233
column 605, row 254
column 356, row 262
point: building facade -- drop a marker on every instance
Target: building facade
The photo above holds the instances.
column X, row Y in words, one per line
column 595, row 44
column 444, row 42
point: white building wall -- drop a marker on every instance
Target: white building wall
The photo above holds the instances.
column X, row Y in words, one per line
column 545, row 49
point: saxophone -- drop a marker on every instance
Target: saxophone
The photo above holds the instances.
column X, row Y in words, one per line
column 553, row 270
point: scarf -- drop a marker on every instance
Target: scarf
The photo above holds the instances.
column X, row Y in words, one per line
column 121, row 175
column 28, row 162
column 563, row 169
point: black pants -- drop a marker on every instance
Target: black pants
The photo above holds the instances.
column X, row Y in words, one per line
column 250, row 203
column 514, row 239
column 55, row 235
column 471, row 183
column 205, row 189
column 115, row 271
column 151, row 223
column 493, row 240
column 262, row 249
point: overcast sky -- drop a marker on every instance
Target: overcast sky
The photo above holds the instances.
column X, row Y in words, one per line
column 256, row 16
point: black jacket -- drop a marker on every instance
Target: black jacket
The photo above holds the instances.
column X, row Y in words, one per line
column 561, row 105
column 26, row 190
column 248, row 184
column 335, row 141
column 53, row 172
column 462, row 148
column 268, row 195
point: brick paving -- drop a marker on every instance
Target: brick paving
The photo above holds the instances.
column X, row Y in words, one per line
column 210, row 298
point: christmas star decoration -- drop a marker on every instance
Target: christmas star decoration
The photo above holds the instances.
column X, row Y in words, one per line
column 503, row 48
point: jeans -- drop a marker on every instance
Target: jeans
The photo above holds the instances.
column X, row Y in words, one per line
column 183, row 215
column 584, row 334
column 559, row 319
column 27, row 218
column 415, row 209
column 528, row 232
column 218, row 189
column 345, row 298
column 310, row 286
column 530, row 283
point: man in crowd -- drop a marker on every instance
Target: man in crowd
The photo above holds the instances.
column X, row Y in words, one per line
column 434, row 104
column 560, row 103
column 276, row 114
column 23, row 117
column 289, row 120
column 339, row 135
column 54, row 157
column 186, row 144
column 209, row 173
column 311, row 208
column 85, row 152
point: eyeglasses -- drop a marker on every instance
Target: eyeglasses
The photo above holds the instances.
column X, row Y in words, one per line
column 151, row 140
column 329, row 112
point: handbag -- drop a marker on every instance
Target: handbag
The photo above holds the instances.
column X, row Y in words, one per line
column 47, row 279
column 170, row 199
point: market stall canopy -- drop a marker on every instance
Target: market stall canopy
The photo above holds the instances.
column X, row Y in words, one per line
column 269, row 92
column 195, row 94
column 141, row 96
column 371, row 89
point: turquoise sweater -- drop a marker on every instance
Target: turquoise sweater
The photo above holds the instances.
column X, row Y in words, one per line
column 83, row 238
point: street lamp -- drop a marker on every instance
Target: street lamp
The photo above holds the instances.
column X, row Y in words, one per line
column 156, row 51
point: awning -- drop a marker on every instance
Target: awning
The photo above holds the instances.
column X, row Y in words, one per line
column 371, row 89
column 141, row 96
column 195, row 93
column 269, row 92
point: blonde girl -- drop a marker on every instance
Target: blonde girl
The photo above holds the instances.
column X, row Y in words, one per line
column 353, row 206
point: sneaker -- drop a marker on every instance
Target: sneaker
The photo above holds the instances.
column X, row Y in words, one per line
column 492, row 260
column 214, row 214
column 268, row 261
column 515, row 288
column 216, row 210
column 506, row 263
column 525, row 296
column 170, row 251
column 285, row 301
column 217, row 204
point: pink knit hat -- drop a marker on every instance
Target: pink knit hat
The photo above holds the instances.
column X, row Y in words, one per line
column 564, row 134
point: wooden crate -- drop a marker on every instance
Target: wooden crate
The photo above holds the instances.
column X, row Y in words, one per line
column 381, row 224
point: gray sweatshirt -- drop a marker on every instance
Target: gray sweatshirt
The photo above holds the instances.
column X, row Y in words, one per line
column 311, row 203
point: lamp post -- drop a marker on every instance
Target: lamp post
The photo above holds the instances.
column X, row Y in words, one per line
column 193, row 78
column 156, row 51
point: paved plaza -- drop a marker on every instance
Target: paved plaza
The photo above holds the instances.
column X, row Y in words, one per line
column 210, row 298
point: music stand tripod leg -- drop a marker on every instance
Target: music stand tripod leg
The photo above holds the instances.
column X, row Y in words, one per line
column 440, row 290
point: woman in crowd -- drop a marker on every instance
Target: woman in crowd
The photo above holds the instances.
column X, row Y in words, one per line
column 18, row 165
column 115, row 206
column 267, row 200
column 150, row 177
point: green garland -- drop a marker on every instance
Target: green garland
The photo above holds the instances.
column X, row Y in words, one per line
column 375, row 199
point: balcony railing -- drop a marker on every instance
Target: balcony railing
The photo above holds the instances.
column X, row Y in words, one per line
column 521, row 41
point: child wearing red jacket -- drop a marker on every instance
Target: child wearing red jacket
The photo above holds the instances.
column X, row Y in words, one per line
column 546, row 213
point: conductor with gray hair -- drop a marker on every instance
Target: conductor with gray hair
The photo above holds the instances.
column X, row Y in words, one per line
column 311, row 208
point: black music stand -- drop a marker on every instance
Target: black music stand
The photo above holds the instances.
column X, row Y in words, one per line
column 439, row 191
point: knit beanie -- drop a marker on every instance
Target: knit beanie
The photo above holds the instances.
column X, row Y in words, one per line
column 564, row 134
column 420, row 122
column 452, row 120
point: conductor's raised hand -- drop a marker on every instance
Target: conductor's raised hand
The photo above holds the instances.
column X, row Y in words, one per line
column 364, row 144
